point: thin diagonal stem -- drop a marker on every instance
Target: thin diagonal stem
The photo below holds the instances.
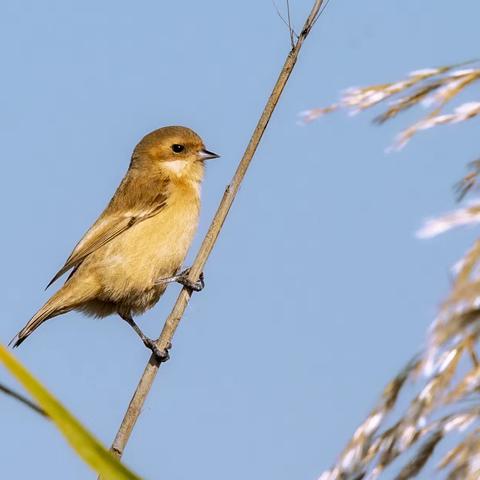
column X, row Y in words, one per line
column 290, row 28
column 148, row 376
column 21, row 398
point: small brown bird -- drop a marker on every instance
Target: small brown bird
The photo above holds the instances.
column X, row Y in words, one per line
column 138, row 244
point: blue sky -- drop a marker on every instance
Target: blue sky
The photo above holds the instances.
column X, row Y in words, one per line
column 317, row 291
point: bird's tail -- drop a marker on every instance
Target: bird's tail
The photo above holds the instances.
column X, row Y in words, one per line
column 62, row 301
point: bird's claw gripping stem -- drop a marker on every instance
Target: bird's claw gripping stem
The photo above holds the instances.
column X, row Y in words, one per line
column 182, row 279
column 161, row 355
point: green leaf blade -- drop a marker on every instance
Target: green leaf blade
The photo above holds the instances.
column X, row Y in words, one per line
column 81, row 440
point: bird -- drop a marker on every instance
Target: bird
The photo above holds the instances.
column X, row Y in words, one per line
column 123, row 263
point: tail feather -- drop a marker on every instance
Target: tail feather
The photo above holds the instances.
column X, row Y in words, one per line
column 45, row 313
column 61, row 302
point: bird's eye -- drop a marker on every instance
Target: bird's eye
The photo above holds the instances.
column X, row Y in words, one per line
column 178, row 148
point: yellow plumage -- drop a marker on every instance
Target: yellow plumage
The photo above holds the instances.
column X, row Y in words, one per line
column 142, row 236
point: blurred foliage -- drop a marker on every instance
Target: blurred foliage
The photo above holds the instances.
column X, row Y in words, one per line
column 446, row 374
column 432, row 88
column 82, row 441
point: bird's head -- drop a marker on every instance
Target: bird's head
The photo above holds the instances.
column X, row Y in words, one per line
column 176, row 151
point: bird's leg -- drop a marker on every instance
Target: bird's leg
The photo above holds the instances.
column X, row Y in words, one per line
column 182, row 278
column 162, row 355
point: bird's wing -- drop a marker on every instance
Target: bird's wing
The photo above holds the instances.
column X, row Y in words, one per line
column 106, row 228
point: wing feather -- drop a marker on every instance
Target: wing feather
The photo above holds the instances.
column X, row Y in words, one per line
column 110, row 225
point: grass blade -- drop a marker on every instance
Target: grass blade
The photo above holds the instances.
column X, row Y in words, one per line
column 81, row 440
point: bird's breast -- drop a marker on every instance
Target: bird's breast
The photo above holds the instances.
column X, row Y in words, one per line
column 152, row 249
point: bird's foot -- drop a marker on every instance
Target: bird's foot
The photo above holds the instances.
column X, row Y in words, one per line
column 197, row 286
column 161, row 355
column 182, row 279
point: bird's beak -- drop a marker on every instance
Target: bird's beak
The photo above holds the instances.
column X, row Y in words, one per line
column 206, row 155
